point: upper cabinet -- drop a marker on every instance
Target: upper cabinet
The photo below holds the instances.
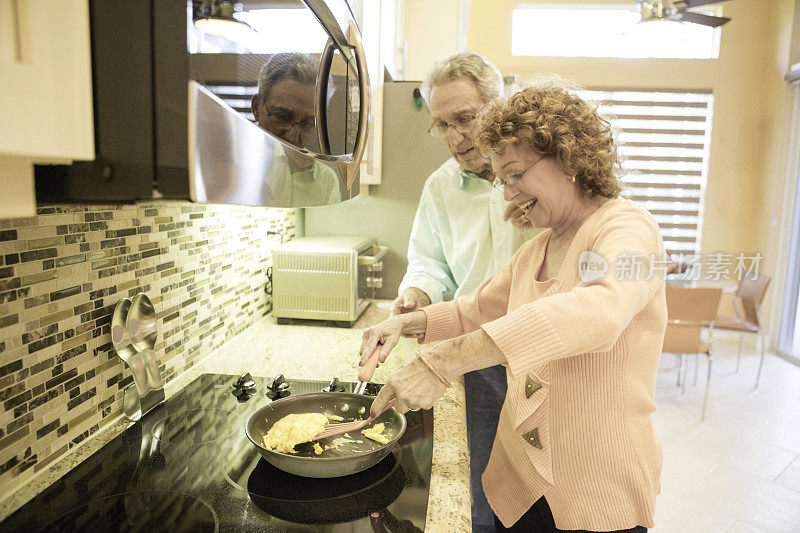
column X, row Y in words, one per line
column 45, row 95
column 402, row 39
column 381, row 27
column 45, row 65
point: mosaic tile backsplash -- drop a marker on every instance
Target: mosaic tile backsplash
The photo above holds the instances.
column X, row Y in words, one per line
column 61, row 273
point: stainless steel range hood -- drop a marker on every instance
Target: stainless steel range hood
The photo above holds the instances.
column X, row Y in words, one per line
column 275, row 116
column 303, row 145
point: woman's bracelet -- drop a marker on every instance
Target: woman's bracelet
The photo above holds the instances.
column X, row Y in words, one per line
column 435, row 372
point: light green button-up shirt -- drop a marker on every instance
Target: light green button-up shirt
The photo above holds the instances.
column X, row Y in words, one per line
column 459, row 237
column 316, row 185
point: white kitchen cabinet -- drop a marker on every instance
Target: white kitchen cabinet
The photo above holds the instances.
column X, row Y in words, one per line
column 380, row 22
column 17, row 199
column 45, row 94
column 404, row 38
column 432, row 31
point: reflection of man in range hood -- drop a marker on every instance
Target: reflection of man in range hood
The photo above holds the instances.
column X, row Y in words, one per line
column 284, row 106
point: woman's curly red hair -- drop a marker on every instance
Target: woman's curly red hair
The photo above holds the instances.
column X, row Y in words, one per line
column 557, row 124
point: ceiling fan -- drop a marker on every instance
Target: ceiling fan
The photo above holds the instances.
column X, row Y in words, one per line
column 677, row 11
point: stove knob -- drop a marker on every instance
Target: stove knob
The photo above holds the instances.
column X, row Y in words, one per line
column 333, row 386
column 278, row 382
column 372, row 389
column 243, row 394
column 244, row 387
column 280, row 392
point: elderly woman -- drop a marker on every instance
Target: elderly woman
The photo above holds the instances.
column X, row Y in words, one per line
column 577, row 317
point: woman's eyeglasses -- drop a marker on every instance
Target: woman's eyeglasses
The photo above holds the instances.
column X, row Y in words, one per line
column 285, row 120
column 515, row 178
column 441, row 128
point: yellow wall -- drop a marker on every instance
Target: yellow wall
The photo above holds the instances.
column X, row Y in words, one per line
column 777, row 104
column 745, row 181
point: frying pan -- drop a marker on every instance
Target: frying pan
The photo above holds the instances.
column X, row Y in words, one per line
column 351, row 456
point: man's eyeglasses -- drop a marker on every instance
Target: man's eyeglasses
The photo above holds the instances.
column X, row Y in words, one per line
column 285, row 120
column 515, row 178
column 441, row 128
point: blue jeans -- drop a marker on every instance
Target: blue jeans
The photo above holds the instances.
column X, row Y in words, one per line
column 485, row 392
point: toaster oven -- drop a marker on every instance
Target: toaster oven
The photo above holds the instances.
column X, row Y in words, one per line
column 325, row 277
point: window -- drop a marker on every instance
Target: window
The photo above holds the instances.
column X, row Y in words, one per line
column 602, row 31
column 663, row 137
column 789, row 331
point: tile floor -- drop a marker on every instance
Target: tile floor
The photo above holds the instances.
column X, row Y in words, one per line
column 739, row 471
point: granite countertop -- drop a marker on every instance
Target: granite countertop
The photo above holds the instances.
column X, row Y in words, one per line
column 310, row 350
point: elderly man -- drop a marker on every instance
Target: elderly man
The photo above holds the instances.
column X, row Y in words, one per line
column 459, row 237
column 284, row 106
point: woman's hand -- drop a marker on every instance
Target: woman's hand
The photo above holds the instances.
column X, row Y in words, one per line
column 385, row 336
column 413, row 385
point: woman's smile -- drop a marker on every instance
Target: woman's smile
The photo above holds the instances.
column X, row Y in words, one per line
column 527, row 206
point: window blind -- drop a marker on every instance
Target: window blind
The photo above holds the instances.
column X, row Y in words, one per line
column 663, row 138
column 236, row 96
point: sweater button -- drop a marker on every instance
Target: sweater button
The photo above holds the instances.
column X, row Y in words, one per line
column 532, row 437
column 531, row 386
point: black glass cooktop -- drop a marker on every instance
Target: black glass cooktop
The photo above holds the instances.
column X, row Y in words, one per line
column 188, row 466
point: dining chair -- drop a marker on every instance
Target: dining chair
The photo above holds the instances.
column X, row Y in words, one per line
column 677, row 265
column 688, row 311
column 746, row 303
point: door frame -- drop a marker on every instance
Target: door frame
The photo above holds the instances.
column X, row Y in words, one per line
column 788, row 276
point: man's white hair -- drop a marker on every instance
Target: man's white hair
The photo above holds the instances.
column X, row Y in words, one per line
column 470, row 65
column 286, row 65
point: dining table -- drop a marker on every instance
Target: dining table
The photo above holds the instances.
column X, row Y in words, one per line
column 728, row 286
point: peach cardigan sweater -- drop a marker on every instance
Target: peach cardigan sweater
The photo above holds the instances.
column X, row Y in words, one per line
column 582, row 359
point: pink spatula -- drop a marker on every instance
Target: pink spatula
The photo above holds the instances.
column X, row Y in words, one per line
column 331, row 430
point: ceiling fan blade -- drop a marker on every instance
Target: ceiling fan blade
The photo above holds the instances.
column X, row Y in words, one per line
column 698, row 3
column 705, row 20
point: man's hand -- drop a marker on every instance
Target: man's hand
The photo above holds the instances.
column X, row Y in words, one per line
column 517, row 216
column 411, row 300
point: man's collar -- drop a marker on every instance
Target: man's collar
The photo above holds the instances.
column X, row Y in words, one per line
column 465, row 175
column 280, row 152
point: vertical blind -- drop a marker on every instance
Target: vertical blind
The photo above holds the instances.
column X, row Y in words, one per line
column 236, row 96
column 663, row 137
